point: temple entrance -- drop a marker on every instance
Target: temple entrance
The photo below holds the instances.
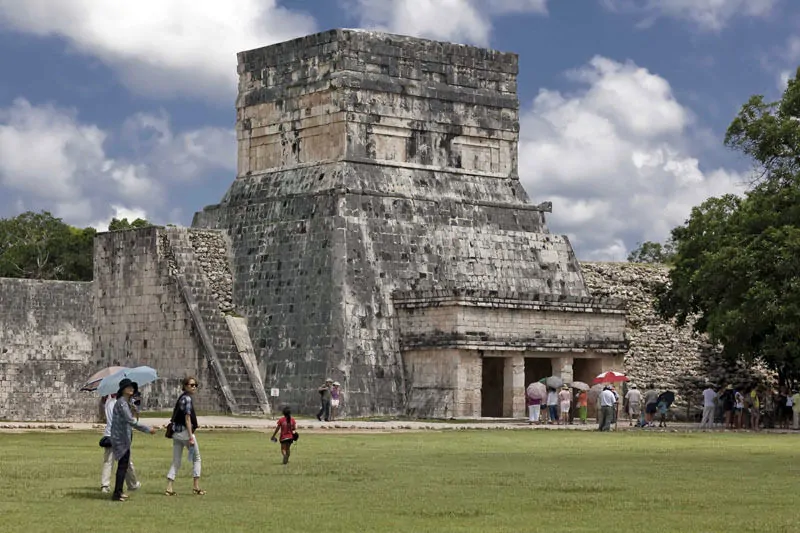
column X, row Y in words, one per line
column 537, row 368
column 492, row 387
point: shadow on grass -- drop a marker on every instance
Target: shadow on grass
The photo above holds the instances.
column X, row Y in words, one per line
column 87, row 494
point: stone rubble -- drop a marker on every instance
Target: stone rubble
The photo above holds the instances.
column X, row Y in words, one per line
column 671, row 357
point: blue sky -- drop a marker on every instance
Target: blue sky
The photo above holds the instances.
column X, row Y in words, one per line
column 112, row 108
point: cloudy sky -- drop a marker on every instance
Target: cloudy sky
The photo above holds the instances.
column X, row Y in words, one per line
column 127, row 108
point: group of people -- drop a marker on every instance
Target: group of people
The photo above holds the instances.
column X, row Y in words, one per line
column 751, row 407
column 558, row 407
column 122, row 417
column 561, row 407
column 330, row 396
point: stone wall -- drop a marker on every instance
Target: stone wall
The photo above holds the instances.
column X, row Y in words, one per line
column 141, row 318
column 45, row 350
column 661, row 353
column 510, row 321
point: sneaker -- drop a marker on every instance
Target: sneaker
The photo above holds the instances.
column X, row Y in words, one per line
column 136, row 487
column 105, row 490
column 319, row 418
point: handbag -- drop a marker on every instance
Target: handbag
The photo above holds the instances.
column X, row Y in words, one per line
column 295, row 436
column 105, row 442
column 170, row 431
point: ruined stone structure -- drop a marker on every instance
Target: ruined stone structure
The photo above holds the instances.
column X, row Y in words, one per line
column 381, row 235
column 376, row 233
column 45, row 350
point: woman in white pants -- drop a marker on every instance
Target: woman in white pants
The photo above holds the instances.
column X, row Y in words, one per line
column 108, row 455
column 184, row 425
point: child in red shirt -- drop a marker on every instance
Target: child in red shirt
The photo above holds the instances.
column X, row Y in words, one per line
column 288, row 429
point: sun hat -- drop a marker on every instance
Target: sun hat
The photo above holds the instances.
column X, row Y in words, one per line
column 329, row 380
column 336, row 384
column 633, row 386
column 124, row 384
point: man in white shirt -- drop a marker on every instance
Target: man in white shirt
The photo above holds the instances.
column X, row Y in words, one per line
column 633, row 399
column 108, row 456
column 709, row 401
column 607, row 400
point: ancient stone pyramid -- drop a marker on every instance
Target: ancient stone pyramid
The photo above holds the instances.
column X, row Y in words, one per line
column 372, row 168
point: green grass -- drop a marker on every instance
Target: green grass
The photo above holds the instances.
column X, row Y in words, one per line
column 516, row 481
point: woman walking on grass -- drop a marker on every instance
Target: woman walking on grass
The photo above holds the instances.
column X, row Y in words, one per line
column 288, row 428
column 122, row 422
column 184, row 425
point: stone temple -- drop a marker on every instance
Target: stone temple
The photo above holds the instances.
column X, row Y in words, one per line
column 376, row 233
column 381, row 237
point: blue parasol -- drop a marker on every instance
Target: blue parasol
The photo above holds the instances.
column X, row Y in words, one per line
column 141, row 375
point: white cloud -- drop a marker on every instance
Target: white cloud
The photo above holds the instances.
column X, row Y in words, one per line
column 789, row 55
column 180, row 156
column 50, row 160
column 615, row 157
column 450, row 20
column 162, row 46
column 710, row 15
column 57, row 163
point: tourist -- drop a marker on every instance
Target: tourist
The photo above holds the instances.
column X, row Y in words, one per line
column 108, row 457
column 325, row 399
column 728, row 402
column 633, row 402
column 534, row 406
column 796, row 410
column 122, row 422
column 288, row 428
column 335, row 397
column 650, row 404
column 583, row 406
column 565, row 402
column 663, row 408
column 709, row 402
column 184, row 427
column 738, row 408
column 755, row 408
column 606, row 401
column 616, row 404
column 552, row 404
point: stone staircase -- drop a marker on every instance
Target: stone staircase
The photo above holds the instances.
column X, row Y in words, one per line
column 206, row 289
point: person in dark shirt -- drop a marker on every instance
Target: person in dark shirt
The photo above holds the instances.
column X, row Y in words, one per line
column 728, row 400
column 325, row 399
column 184, row 425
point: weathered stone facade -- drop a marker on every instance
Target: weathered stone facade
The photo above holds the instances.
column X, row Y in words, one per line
column 670, row 357
column 372, row 165
column 376, row 233
column 45, row 350
column 158, row 297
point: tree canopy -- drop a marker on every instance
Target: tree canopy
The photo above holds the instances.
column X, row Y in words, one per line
column 123, row 224
column 736, row 269
column 652, row 252
column 41, row 246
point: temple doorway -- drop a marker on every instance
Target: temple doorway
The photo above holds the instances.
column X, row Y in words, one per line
column 492, row 387
column 537, row 368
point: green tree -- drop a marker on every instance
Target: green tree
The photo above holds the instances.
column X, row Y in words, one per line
column 123, row 224
column 41, row 246
column 652, row 252
column 736, row 270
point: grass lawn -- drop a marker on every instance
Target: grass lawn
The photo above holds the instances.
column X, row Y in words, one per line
column 483, row 481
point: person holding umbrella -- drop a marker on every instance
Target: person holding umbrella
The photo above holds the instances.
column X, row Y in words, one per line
column 122, row 423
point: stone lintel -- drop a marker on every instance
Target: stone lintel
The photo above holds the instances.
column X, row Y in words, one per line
column 489, row 343
column 507, row 300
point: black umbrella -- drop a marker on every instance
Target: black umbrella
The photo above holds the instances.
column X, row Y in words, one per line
column 667, row 397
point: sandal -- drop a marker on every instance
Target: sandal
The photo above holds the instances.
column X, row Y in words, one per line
column 199, row 492
column 170, row 493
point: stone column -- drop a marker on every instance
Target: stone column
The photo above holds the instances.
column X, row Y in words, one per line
column 562, row 367
column 514, row 387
